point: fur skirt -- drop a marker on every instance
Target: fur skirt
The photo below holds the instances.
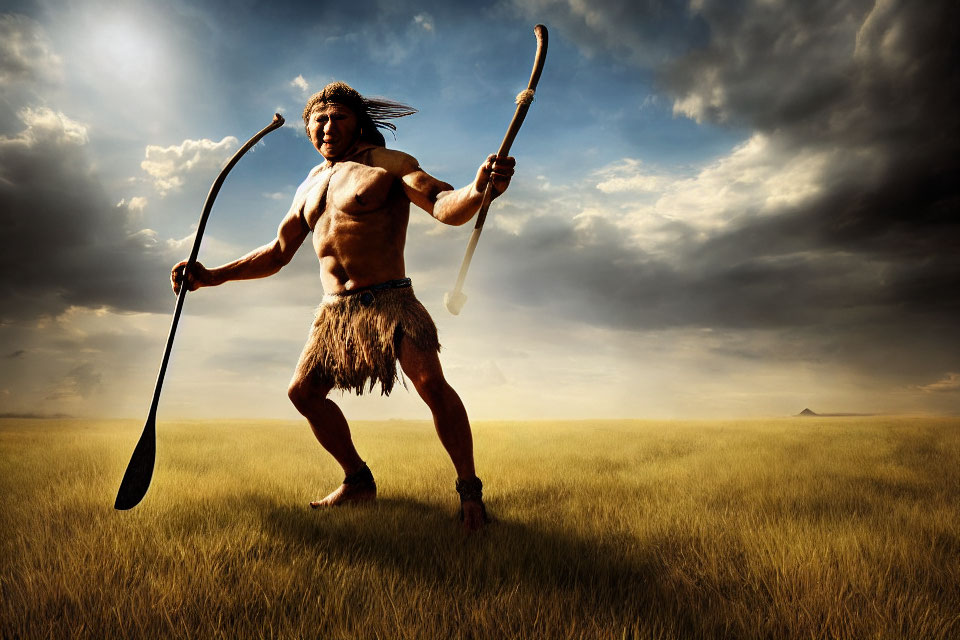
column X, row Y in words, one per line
column 355, row 340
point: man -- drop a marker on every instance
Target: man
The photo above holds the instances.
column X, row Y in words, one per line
column 357, row 205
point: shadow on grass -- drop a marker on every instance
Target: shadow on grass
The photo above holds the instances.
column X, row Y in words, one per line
column 612, row 579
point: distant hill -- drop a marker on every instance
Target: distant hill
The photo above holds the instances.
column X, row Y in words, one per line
column 808, row 413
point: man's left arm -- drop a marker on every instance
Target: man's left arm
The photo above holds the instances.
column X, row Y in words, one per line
column 442, row 201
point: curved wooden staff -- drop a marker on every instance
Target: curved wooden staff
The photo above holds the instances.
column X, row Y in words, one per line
column 454, row 300
column 136, row 479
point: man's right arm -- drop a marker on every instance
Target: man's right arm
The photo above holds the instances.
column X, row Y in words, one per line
column 259, row 263
column 441, row 200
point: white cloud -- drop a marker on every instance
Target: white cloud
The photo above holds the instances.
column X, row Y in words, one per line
column 626, row 176
column 215, row 250
column 709, row 97
column 512, row 224
column 180, row 244
column 424, row 21
column 656, row 212
column 951, row 382
column 47, row 125
column 758, row 177
column 144, row 238
column 300, row 83
column 25, row 51
column 168, row 166
column 135, row 204
column 593, row 228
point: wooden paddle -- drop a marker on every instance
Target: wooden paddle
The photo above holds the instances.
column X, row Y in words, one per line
column 136, row 479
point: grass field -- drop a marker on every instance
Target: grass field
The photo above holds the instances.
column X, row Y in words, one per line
column 793, row 528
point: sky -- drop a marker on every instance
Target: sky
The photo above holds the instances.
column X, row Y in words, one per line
column 722, row 209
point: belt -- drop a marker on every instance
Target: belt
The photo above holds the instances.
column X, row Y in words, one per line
column 366, row 293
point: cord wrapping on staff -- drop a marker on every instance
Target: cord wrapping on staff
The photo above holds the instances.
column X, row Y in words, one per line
column 525, row 97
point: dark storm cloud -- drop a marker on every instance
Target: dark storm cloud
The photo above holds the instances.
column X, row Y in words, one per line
column 869, row 86
column 606, row 279
column 874, row 83
column 813, row 305
column 65, row 242
column 853, row 72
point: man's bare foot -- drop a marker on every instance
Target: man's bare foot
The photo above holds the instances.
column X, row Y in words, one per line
column 345, row 494
column 357, row 487
column 473, row 513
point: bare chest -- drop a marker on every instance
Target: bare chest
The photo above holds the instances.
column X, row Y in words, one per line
column 347, row 192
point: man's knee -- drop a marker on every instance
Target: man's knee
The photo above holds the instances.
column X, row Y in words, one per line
column 431, row 385
column 305, row 394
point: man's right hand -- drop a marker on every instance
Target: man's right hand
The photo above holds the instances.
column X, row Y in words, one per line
column 199, row 276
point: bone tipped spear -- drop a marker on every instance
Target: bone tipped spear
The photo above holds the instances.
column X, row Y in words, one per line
column 454, row 300
column 136, row 479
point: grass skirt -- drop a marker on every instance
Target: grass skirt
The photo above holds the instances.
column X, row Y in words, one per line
column 352, row 343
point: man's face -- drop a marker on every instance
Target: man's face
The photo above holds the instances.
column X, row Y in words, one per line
column 333, row 130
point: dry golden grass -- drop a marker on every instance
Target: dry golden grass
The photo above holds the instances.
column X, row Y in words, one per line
column 793, row 528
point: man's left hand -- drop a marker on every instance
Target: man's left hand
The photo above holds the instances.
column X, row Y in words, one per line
column 499, row 170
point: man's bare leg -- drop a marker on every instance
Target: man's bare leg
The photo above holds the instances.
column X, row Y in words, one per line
column 332, row 432
column 450, row 420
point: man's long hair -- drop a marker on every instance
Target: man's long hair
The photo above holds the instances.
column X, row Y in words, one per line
column 373, row 114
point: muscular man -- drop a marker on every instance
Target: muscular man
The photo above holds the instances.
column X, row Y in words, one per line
column 357, row 204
